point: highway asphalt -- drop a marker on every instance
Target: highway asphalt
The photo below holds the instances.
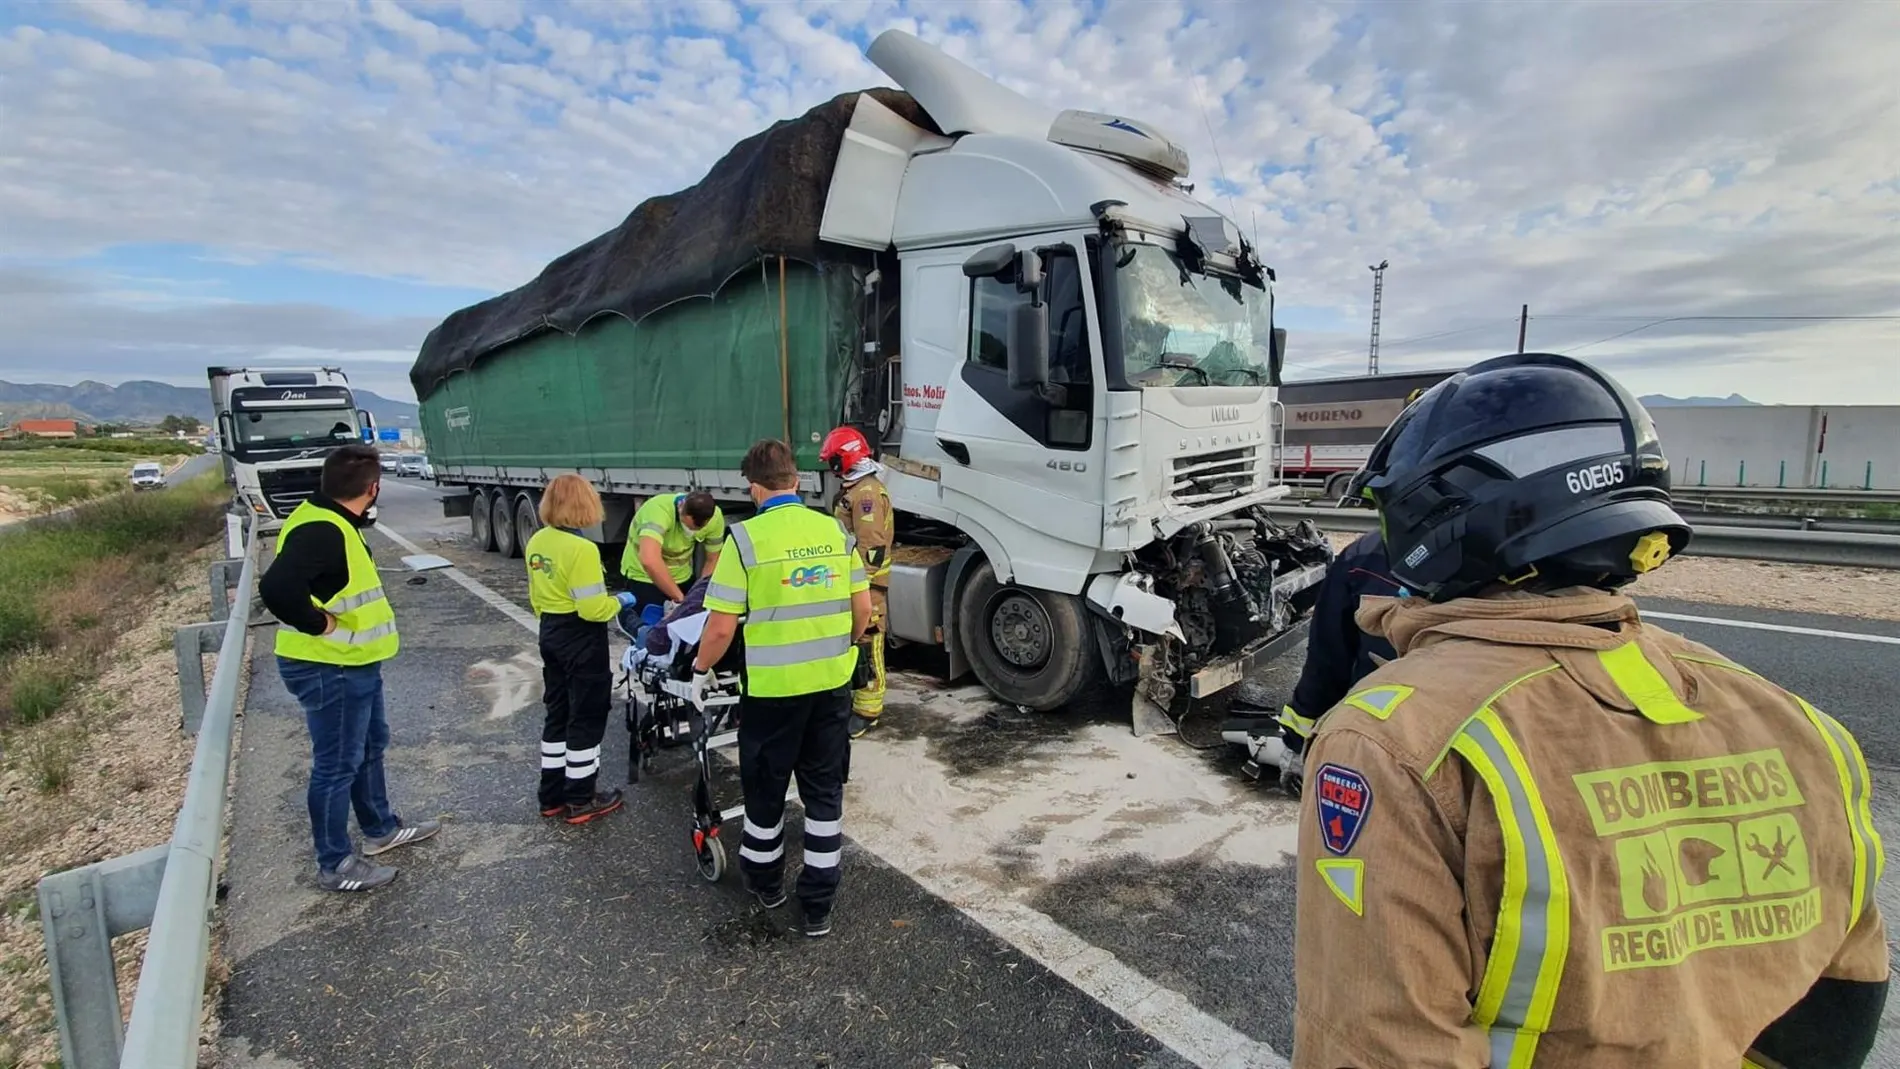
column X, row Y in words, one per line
column 1020, row 890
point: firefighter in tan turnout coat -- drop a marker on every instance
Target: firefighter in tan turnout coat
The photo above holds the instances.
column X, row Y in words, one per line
column 1549, row 833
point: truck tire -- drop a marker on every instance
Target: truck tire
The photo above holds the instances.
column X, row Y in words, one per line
column 503, row 521
column 527, row 518
column 481, row 522
column 1032, row 648
column 1336, row 485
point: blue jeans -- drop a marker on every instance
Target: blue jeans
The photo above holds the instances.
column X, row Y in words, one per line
column 343, row 707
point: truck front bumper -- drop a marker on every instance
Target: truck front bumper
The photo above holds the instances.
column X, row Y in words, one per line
column 1220, row 675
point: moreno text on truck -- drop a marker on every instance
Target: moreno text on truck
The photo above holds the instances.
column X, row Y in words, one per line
column 274, row 427
column 1066, row 363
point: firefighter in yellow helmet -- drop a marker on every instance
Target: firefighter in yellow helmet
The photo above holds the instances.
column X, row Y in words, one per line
column 864, row 508
column 1550, row 833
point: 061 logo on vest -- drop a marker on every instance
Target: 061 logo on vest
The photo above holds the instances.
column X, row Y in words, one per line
column 813, row 575
column 1344, row 799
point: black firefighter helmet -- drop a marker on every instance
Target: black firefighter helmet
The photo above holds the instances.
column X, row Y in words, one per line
column 1519, row 468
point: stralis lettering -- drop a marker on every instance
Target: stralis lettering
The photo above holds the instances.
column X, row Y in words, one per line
column 925, row 397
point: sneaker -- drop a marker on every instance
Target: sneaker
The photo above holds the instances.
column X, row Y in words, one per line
column 770, row 899
column 554, row 810
column 355, row 874
column 599, row 806
column 817, row 925
column 860, row 724
column 402, row 836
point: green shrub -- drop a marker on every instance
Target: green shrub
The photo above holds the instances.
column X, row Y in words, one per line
column 34, row 685
column 125, row 540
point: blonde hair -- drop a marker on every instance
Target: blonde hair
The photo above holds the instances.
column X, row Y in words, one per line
column 570, row 501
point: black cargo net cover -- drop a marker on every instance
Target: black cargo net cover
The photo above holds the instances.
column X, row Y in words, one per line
column 766, row 197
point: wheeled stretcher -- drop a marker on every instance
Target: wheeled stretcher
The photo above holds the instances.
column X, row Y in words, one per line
column 661, row 715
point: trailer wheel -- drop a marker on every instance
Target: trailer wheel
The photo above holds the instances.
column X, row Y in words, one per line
column 1029, row 647
column 481, row 524
column 503, row 513
column 1336, row 485
column 527, row 518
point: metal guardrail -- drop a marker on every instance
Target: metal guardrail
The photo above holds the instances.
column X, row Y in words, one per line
column 1693, row 494
column 1846, row 549
column 170, row 889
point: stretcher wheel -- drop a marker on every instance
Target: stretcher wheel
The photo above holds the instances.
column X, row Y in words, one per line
column 712, row 859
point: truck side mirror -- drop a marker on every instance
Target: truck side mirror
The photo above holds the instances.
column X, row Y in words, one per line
column 1029, row 274
column 1028, row 345
column 227, row 436
column 1276, row 356
column 991, row 262
column 368, row 423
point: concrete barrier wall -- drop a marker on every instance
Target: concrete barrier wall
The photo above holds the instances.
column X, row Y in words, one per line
column 1782, row 445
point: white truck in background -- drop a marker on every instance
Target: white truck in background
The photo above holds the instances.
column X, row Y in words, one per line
column 274, row 428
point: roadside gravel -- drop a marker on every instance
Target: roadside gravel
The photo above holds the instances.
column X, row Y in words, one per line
column 128, row 763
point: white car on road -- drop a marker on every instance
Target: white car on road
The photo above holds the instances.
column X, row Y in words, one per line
column 148, row 477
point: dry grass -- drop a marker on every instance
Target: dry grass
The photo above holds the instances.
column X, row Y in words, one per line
column 119, row 763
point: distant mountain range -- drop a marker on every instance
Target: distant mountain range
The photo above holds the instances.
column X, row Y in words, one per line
column 142, row 401
column 1657, row 400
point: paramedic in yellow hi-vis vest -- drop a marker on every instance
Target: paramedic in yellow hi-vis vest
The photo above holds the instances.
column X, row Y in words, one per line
column 864, row 508
column 568, row 592
column 1549, row 834
column 795, row 576
column 338, row 629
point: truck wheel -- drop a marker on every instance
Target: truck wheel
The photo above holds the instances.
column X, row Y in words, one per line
column 481, row 524
column 527, row 518
column 1029, row 647
column 503, row 513
column 1336, row 485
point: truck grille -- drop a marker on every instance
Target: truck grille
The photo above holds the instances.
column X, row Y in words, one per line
column 287, row 488
column 1206, row 478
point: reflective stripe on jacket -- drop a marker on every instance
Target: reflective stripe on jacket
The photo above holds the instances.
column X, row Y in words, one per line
column 1551, row 831
column 791, row 571
column 564, row 576
column 365, row 631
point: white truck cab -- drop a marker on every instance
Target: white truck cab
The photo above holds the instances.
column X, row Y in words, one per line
column 1083, row 390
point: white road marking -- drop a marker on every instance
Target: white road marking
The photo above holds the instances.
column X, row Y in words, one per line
column 1786, row 629
column 1158, row 1011
column 502, row 605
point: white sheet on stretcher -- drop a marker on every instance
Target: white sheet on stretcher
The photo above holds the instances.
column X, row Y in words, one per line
column 684, row 632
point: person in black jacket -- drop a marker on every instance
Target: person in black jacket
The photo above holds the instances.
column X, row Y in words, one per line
column 338, row 629
column 1338, row 654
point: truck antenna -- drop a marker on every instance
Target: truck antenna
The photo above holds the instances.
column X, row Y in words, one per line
column 1219, row 166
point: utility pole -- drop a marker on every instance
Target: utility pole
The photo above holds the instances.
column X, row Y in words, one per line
column 1378, row 296
column 1523, row 322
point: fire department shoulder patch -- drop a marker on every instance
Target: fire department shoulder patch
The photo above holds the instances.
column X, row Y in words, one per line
column 1343, row 800
column 867, row 506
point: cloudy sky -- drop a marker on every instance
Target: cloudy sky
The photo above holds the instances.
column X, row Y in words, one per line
column 305, row 179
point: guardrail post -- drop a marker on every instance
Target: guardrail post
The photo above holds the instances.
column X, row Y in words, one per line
column 1702, row 478
column 1781, row 481
column 1741, row 473
column 190, row 643
column 1823, row 474
column 81, row 910
column 1869, row 483
column 224, row 576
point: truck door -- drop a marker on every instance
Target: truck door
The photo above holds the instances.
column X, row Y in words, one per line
column 1018, row 457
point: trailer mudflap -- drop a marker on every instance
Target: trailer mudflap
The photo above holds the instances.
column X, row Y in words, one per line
column 458, row 506
column 1219, row 676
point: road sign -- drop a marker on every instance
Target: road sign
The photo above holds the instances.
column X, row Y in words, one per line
column 389, row 434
